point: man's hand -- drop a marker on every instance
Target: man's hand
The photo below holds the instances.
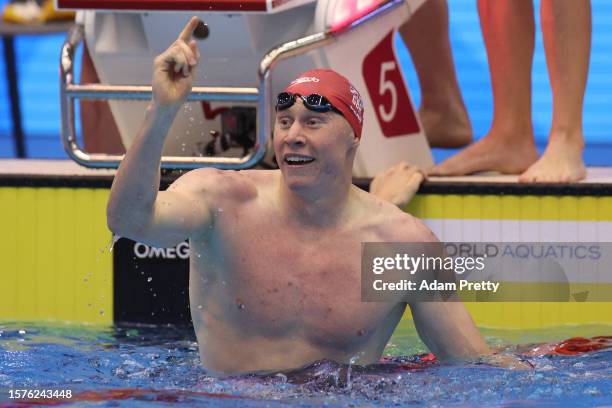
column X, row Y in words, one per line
column 506, row 361
column 397, row 184
column 174, row 69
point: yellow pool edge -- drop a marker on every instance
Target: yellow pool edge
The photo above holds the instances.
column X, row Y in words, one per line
column 55, row 261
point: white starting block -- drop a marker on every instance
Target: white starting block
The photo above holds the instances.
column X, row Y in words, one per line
column 254, row 49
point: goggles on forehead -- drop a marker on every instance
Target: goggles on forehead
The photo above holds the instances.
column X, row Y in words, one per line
column 313, row 102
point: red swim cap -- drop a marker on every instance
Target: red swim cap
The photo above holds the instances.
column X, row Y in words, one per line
column 337, row 89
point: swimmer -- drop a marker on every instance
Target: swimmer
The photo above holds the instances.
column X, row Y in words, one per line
column 275, row 274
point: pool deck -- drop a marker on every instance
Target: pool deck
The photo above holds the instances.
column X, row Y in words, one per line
column 66, row 173
column 69, row 168
column 55, row 246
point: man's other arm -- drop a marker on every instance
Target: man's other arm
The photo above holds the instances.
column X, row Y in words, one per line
column 448, row 330
column 446, row 327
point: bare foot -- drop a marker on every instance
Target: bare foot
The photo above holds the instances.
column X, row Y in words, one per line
column 397, row 184
column 491, row 153
column 446, row 123
column 561, row 162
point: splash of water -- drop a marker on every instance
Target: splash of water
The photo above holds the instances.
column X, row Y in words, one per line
column 352, row 361
column 112, row 242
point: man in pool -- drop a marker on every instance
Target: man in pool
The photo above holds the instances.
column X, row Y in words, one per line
column 275, row 255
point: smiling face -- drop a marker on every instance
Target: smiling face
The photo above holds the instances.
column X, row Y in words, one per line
column 314, row 150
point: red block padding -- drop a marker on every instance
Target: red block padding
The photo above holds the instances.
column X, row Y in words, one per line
column 174, row 5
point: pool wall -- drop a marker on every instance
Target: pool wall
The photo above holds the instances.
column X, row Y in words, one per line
column 474, row 216
column 55, row 262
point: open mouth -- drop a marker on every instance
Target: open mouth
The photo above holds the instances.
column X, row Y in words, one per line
column 297, row 159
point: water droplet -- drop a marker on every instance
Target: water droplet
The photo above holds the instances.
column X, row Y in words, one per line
column 113, row 241
column 101, row 312
column 240, row 304
column 22, row 331
column 149, row 279
column 200, row 307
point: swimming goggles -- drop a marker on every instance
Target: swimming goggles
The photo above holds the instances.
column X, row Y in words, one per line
column 313, row 102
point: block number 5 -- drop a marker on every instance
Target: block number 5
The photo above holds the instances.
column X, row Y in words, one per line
column 385, row 86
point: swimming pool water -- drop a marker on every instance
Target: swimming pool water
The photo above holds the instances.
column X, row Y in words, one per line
column 158, row 365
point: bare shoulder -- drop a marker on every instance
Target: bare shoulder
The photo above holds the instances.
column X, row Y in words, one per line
column 408, row 228
column 217, row 185
column 395, row 225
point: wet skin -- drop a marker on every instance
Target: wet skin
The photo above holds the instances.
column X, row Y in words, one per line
column 275, row 261
column 267, row 294
column 272, row 290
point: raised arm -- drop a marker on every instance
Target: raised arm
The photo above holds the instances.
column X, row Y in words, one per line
column 136, row 209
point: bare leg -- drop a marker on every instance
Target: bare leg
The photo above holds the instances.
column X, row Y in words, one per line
column 566, row 28
column 442, row 111
column 508, row 30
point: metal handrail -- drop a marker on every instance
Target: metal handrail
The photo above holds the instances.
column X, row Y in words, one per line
column 69, row 91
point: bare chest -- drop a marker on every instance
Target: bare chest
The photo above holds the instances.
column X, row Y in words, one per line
column 282, row 280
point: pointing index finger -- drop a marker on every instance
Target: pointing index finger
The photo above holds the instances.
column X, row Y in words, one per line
column 188, row 30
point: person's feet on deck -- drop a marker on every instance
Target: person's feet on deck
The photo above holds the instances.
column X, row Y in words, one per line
column 561, row 162
column 507, row 155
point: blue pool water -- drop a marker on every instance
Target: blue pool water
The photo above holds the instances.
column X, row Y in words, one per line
column 159, row 365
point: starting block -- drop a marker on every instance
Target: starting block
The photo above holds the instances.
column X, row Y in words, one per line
column 253, row 50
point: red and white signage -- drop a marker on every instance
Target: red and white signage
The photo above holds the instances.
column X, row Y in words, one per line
column 387, row 91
